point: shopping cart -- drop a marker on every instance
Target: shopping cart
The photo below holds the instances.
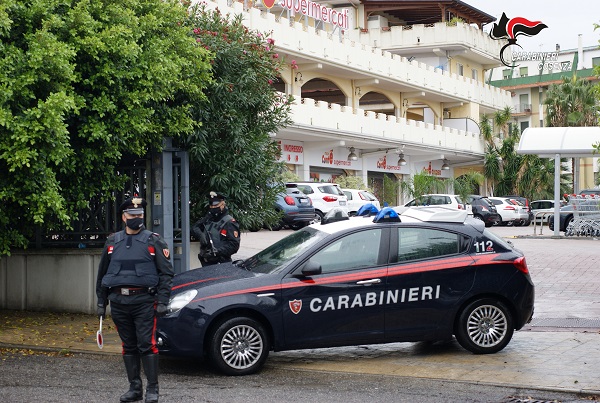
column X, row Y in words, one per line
column 586, row 215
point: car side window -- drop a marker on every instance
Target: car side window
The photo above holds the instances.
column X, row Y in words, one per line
column 348, row 195
column 354, row 251
column 424, row 243
column 306, row 189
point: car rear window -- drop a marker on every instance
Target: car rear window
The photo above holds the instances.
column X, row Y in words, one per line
column 368, row 195
column 331, row 189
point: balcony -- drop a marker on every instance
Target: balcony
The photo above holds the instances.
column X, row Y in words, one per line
column 440, row 39
column 522, row 109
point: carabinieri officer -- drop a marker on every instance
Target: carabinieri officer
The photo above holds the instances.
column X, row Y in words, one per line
column 135, row 275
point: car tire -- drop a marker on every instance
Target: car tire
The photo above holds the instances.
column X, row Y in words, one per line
column 299, row 225
column 485, row 326
column 318, row 217
column 239, row 346
column 275, row 227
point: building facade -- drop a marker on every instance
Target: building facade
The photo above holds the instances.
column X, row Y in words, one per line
column 381, row 88
column 529, row 80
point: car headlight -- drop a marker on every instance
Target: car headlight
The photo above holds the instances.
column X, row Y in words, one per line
column 182, row 299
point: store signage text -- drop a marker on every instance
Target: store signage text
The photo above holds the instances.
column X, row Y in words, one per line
column 327, row 158
column 317, row 11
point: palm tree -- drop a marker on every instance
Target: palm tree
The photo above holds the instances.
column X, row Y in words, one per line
column 574, row 102
column 502, row 118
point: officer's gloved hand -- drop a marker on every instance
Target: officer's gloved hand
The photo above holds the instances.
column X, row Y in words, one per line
column 101, row 311
column 161, row 310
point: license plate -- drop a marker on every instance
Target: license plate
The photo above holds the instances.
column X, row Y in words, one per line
column 342, row 203
column 303, row 201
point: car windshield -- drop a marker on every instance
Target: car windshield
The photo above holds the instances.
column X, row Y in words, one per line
column 278, row 255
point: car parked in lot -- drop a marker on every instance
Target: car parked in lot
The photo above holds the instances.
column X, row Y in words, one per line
column 595, row 191
column 358, row 198
column 427, row 274
column 324, row 196
column 438, row 199
column 483, row 209
column 541, row 210
column 566, row 216
column 296, row 208
column 527, row 215
column 509, row 211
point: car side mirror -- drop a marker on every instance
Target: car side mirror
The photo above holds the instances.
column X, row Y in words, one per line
column 311, row 268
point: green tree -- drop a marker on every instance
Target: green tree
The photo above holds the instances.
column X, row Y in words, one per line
column 351, row 182
column 423, row 183
column 84, row 82
column 232, row 151
column 574, row 102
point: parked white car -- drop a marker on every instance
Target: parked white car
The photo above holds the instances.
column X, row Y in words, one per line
column 509, row 212
column 358, row 198
column 324, row 196
column 545, row 208
column 439, row 199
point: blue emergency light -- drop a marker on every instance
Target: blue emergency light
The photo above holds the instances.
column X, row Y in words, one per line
column 387, row 214
column 367, row 210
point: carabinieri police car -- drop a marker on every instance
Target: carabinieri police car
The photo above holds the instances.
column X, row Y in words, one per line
column 423, row 275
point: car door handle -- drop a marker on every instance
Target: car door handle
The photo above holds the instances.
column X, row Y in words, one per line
column 369, row 282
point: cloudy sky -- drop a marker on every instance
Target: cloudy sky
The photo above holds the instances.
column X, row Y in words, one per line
column 565, row 21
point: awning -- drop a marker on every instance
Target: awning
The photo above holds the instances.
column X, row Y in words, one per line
column 569, row 142
column 557, row 143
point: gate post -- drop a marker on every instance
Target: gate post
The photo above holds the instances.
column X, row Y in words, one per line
column 170, row 202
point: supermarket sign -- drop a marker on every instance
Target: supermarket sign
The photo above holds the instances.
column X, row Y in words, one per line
column 313, row 10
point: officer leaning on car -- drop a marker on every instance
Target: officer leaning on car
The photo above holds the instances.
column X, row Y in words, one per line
column 135, row 275
column 218, row 232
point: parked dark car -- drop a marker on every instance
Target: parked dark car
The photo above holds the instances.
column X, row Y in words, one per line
column 296, row 208
column 425, row 275
column 585, row 192
column 566, row 216
column 483, row 209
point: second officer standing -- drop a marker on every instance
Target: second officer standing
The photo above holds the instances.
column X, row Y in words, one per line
column 218, row 232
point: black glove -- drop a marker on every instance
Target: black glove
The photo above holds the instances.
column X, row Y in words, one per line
column 101, row 311
column 205, row 253
column 161, row 310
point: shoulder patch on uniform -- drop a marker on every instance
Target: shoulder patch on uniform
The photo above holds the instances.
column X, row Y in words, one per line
column 235, row 234
column 166, row 252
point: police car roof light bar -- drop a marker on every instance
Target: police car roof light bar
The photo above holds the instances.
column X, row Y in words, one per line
column 387, row 214
column 367, row 210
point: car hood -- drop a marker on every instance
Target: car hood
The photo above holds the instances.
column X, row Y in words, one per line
column 204, row 276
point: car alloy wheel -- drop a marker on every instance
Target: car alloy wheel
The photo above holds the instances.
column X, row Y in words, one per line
column 239, row 346
column 485, row 326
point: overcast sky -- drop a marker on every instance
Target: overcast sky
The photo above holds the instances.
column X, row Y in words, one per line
column 565, row 20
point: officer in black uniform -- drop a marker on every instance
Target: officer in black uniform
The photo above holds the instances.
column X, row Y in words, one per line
column 135, row 275
column 218, row 232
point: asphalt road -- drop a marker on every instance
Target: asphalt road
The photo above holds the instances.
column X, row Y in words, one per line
column 27, row 377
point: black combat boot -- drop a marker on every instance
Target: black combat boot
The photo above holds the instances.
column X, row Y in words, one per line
column 132, row 366
column 150, row 363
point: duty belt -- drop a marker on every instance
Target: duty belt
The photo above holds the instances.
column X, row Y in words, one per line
column 129, row 290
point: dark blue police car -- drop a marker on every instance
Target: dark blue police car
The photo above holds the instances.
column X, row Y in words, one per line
column 426, row 274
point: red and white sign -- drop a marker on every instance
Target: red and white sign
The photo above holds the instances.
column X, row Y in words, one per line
column 317, row 11
column 292, row 152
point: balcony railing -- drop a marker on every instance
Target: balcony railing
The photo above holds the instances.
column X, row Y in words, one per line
column 522, row 108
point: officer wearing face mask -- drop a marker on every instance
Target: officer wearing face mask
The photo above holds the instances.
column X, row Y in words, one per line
column 218, row 232
column 135, row 275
